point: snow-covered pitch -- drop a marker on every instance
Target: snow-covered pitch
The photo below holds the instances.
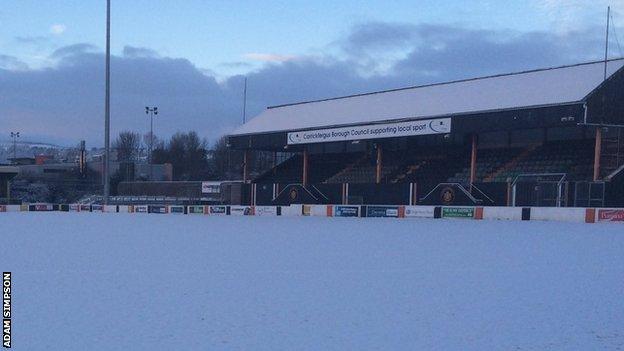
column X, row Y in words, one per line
column 86, row 281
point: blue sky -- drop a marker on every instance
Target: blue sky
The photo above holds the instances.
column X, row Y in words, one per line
column 290, row 50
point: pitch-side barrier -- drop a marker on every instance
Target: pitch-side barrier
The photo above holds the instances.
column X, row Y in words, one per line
column 579, row 215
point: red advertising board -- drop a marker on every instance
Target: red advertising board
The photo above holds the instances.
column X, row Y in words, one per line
column 611, row 215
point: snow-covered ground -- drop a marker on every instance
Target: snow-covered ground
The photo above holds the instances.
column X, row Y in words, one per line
column 150, row 282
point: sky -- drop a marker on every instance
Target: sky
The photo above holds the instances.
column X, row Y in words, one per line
column 190, row 57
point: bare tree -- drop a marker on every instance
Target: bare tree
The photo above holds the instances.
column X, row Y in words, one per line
column 187, row 153
column 127, row 145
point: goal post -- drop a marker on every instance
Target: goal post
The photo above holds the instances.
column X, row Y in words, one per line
column 538, row 189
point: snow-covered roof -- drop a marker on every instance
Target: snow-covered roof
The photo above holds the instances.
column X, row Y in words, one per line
column 551, row 86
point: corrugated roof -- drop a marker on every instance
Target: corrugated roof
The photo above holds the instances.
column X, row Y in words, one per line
column 551, row 86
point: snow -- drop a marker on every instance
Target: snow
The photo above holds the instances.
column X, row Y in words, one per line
column 153, row 282
column 535, row 88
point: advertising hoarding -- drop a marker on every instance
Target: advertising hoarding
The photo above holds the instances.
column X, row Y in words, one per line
column 372, row 131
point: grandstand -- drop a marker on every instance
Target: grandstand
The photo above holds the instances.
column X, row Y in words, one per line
column 6, row 174
column 481, row 135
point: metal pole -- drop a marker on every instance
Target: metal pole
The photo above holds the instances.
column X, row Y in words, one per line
column 305, row 167
column 151, row 111
column 151, row 135
column 15, row 135
column 106, row 163
column 151, row 143
column 473, row 161
column 597, row 154
column 245, row 102
column 246, row 165
column 606, row 57
column 379, row 164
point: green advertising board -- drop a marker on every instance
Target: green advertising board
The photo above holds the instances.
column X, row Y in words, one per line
column 458, row 212
column 196, row 209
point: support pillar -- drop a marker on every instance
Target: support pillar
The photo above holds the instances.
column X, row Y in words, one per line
column 305, row 168
column 473, row 160
column 597, row 153
column 379, row 164
column 246, row 158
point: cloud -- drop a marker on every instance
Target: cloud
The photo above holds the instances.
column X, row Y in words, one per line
column 12, row 63
column 57, row 29
column 378, row 35
column 135, row 52
column 235, row 64
column 568, row 15
column 64, row 103
column 35, row 40
column 440, row 52
column 73, row 50
column 269, row 57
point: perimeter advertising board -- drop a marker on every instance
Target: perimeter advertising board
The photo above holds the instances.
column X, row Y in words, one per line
column 346, row 211
column 265, row 210
column 141, row 209
column 611, row 215
column 458, row 212
column 218, row 210
column 162, row 209
column 372, row 131
column 41, row 207
column 419, row 211
column 196, row 210
column 241, row 211
column 176, row 209
column 382, row 211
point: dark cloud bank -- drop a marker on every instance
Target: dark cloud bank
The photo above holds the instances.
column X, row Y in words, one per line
column 65, row 104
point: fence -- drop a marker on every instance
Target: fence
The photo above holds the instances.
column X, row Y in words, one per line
column 580, row 215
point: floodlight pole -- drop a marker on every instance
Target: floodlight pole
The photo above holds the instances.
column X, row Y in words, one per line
column 245, row 102
column 106, row 161
column 151, row 111
column 15, row 135
column 598, row 144
column 606, row 56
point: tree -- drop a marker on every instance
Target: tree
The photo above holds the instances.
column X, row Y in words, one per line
column 154, row 141
column 187, row 153
column 127, row 145
column 226, row 163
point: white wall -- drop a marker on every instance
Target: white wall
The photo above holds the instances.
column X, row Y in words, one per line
column 558, row 214
column 503, row 213
column 292, row 210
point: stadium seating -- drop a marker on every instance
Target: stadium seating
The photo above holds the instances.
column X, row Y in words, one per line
column 289, row 171
column 488, row 162
column 574, row 158
column 442, row 164
column 322, row 166
column 364, row 170
column 429, row 167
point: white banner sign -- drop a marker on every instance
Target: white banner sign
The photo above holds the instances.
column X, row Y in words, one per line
column 372, row 131
column 211, row 187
